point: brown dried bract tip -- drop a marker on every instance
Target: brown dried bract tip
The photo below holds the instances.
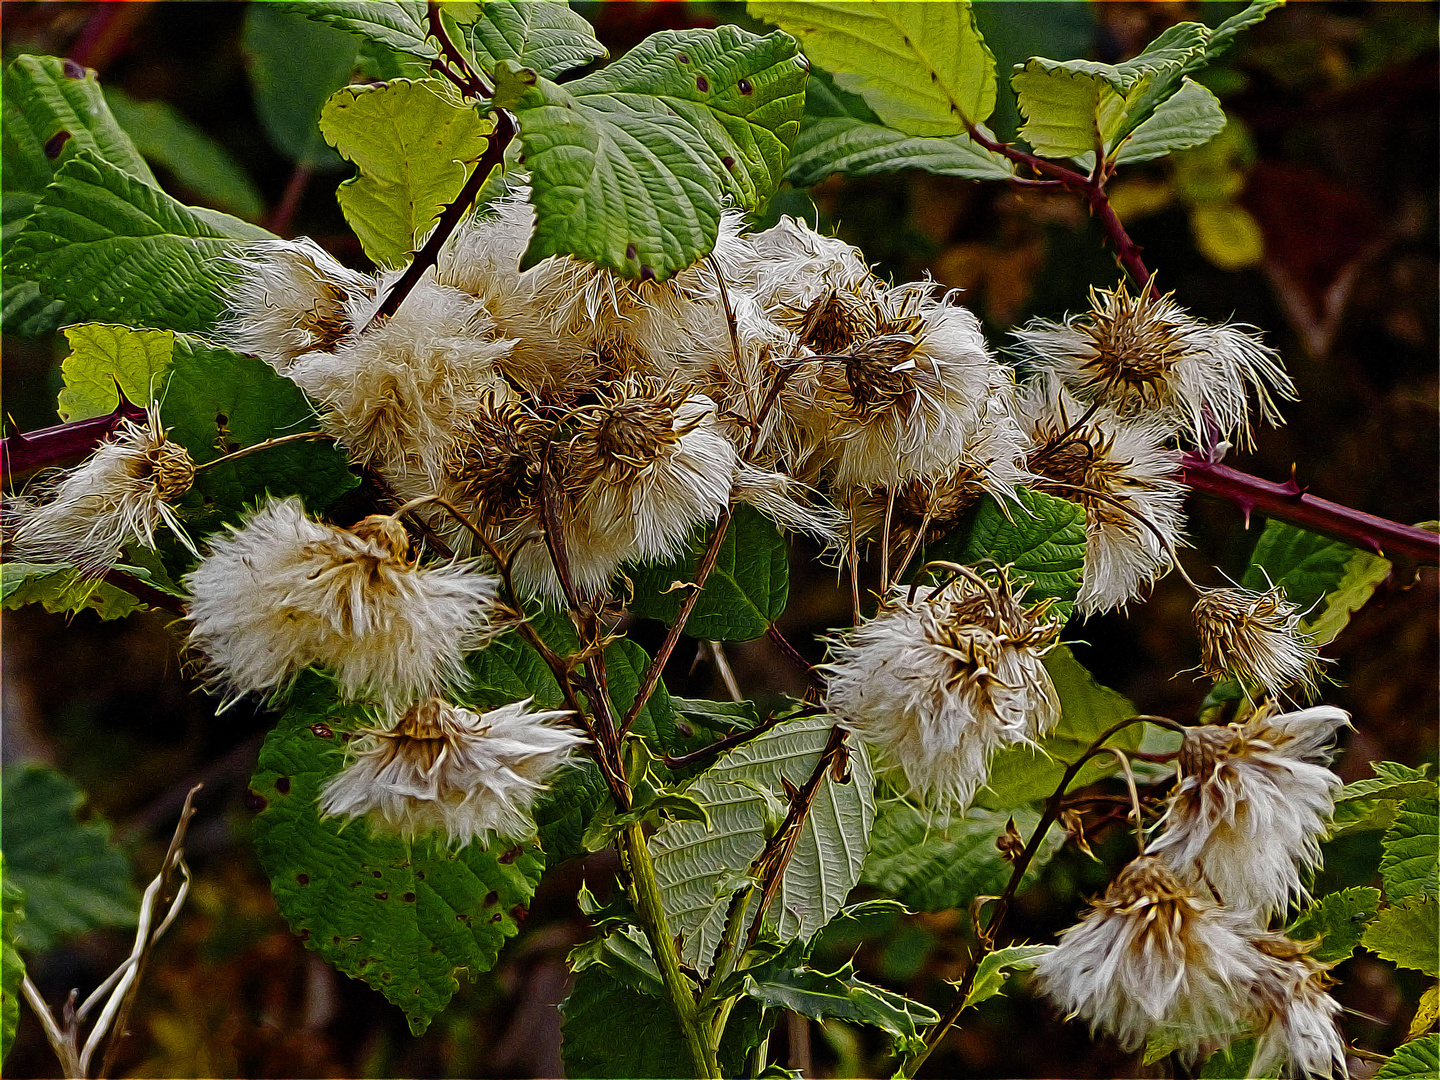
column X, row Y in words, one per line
column 1206, row 747
column 497, row 460
column 421, row 734
column 171, row 469
column 1148, row 882
column 833, row 323
column 386, row 532
column 999, row 610
column 1081, row 458
column 944, row 502
column 1135, row 348
column 1256, row 637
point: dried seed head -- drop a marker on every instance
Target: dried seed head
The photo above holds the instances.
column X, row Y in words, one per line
column 1256, row 637
column 86, row 515
column 1294, row 1015
column 444, row 768
column 495, row 464
column 1135, row 346
column 936, row 506
column 836, row 321
column 1251, row 806
column 628, row 429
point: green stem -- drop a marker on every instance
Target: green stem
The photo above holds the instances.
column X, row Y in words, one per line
column 645, row 895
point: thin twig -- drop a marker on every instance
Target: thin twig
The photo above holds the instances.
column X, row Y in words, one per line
column 723, row 669
column 299, row 436
column 793, row 655
column 729, row 742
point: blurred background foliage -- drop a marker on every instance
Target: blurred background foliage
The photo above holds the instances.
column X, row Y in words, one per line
column 1313, row 216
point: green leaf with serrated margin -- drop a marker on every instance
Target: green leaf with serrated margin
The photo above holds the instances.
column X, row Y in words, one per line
column 611, row 1030
column 113, row 249
column 295, row 64
column 1337, row 920
column 1023, row 774
column 1042, row 540
column 64, row 590
column 1362, row 575
column 103, row 355
column 1306, row 564
column 1418, row 1059
column 996, row 967
column 779, row 984
column 630, row 166
column 406, row 917
column 1189, row 117
column 414, row 144
column 935, row 866
column 923, row 68
column 12, row 965
column 397, row 24
column 1408, row 867
column 1391, row 781
column 698, row 869
column 1407, row 934
column 198, row 163
column 725, row 717
column 745, row 592
column 550, row 39
column 1231, row 1062
column 73, row 878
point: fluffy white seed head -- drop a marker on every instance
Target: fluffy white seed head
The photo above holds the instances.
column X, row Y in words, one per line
column 84, row 516
column 1121, row 472
column 288, row 297
column 283, row 592
column 442, row 768
column 1153, row 956
column 1256, row 637
column 1145, row 356
column 937, row 685
column 1295, row 1016
column 1252, row 805
column 793, row 266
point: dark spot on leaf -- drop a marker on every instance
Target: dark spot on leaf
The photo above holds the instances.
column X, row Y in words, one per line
column 336, row 940
column 419, row 875
column 629, row 251
column 496, row 917
column 417, row 991
column 728, row 161
column 375, row 873
column 73, row 70
column 255, row 802
column 462, row 917
column 230, row 448
column 491, row 897
column 647, row 273
column 513, row 854
column 683, row 58
column 386, row 977
column 321, row 731
column 409, row 898
column 346, row 736
column 568, row 105
column 304, row 879
column 746, row 86
column 304, row 933
column 905, row 39
column 519, row 912
column 671, row 112
column 434, row 948
column 382, row 896
column 282, row 785
column 56, row 143
column 221, row 420
column 684, row 728
column 354, row 884
column 701, row 83
column 934, row 78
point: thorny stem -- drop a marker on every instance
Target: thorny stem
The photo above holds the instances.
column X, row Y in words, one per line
column 715, row 1013
column 493, row 158
column 23, row 453
column 451, row 62
column 1053, row 806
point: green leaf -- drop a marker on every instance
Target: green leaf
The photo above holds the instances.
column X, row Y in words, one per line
column 631, row 165
column 397, row 24
column 213, row 401
column 72, row 877
column 1407, row 934
column 1418, row 1059
column 414, row 143
column 1022, row 774
column 64, row 590
column 113, row 249
column 405, row 917
column 698, row 869
column 745, row 592
column 41, row 103
column 841, row 996
column 1362, row 575
column 1408, row 866
column 295, row 65
column 1042, row 540
column 1233, row 1061
column 1190, row 117
column 625, row 955
column 12, row 965
column 996, row 967
column 611, row 1030
column 199, row 164
column 547, row 38
column 724, row 717
column 923, row 68
column 935, row 866
column 854, row 148
column 1306, row 564
column 1338, row 921
column 1391, row 781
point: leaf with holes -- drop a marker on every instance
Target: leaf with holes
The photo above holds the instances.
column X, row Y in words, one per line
column 406, row 917
column 414, row 144
column 923, row 68
column 550, row 39
column 1407, row 934
column 1337, row 920
column 1023, row 774
column 699, row 868
column 745, row 592
column 74, row 879
column 630, row 166
column 1408, row 866
column 937, row 865
column 110, row 248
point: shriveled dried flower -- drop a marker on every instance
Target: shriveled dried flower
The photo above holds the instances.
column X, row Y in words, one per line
column 1256, row 637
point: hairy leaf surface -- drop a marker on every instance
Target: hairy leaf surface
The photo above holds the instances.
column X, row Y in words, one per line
column 1337, row 920
column 1408, row 934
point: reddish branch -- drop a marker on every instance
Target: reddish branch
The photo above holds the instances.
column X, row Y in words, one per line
column 23, row 453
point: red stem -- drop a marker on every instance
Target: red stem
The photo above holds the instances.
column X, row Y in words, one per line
column 1289, row 502
column 23, row 453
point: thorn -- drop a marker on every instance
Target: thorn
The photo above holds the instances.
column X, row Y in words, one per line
column 1292, row 486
